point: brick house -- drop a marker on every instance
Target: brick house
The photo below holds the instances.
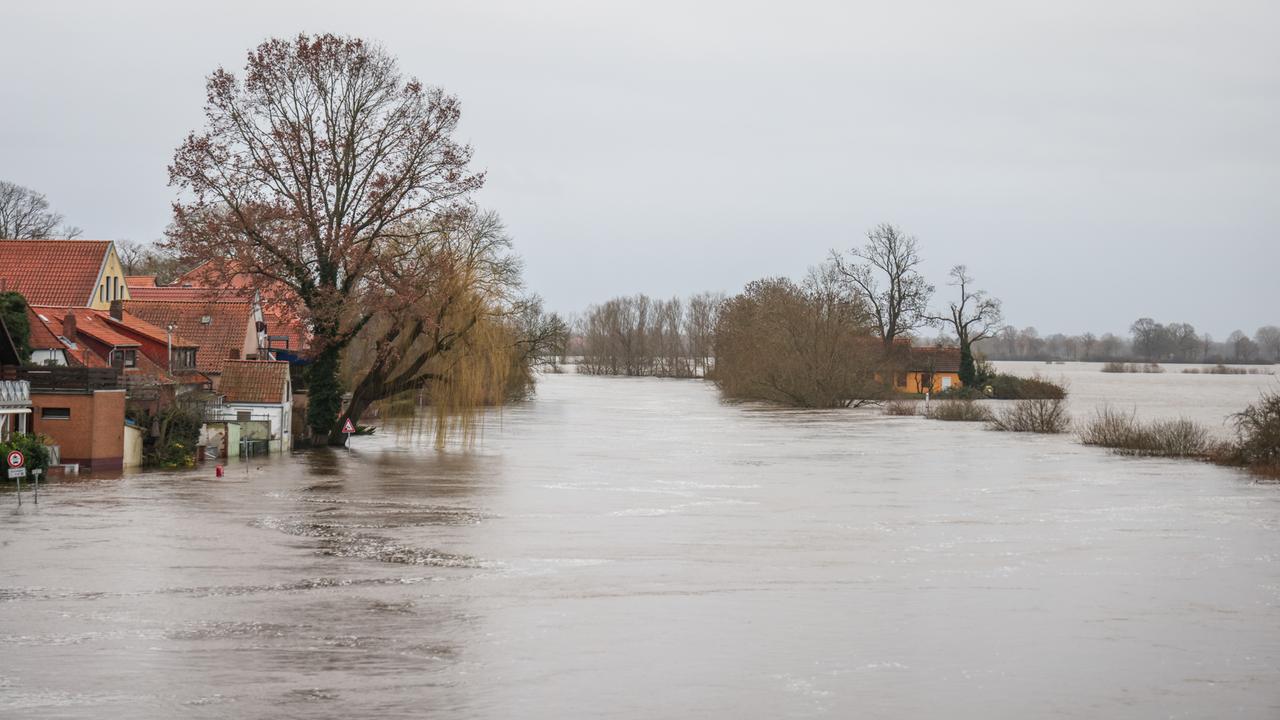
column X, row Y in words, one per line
column 81, row 409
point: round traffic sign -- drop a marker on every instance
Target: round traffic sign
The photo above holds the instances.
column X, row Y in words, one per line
column 17, row 459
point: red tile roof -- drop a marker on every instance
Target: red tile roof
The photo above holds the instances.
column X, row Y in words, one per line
column 229, row 323
column 174, row 292
column 280, row 304
column 97, row 324
column 935, row 359
column 42, row 337
column 53, row 272
column 155, row 333
column 285, row 328
column 137, row 281
column 254, row 381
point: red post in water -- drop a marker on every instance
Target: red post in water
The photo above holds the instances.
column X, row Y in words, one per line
column 217, row 471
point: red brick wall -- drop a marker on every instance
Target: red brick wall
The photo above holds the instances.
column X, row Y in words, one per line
column 94, row 434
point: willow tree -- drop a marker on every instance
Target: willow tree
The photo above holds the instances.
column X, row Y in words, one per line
column 326, row 171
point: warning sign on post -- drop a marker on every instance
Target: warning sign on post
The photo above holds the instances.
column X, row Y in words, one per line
column 348, row 427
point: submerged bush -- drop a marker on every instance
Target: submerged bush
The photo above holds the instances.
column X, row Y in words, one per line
column 1011, row 387
column 1121, row 367
column 1258, row 434
column 901, row 407
column 1221, row 369
column 1041, row 415
column 959, row 411
column 1124, row 433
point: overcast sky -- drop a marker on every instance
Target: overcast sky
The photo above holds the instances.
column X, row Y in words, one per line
column 1092, row 162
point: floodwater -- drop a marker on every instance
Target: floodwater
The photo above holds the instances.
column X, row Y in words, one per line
column 628, row 548
column 1207, row 399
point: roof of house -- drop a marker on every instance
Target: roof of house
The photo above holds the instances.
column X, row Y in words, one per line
column 139, row 281
column 96, row 324
column 228, row 322
column 53, row 272
column 934, row 359
column 254, row 381
column 152, row 332
column 42, row 337
column 176, row 292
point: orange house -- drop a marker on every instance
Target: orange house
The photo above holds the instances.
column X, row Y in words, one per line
column 929, row 370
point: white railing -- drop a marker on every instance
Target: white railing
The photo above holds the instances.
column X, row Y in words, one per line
column 15, row 392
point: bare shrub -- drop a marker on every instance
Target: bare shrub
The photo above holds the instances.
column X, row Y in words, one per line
column 959, row 411
column 1124, row 433
column 1221, row 369
column 901, row 407
column 1042, row 415
column 1258, row 434
column 804, row 345
column 1120, row 367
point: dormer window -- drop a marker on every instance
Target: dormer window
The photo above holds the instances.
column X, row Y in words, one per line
column 205, row 319
column 124, row 357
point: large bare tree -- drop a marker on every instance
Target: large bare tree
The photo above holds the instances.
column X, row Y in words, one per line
column 325, row 171
column 883, row 273
column 25, row 215
column 975, row 316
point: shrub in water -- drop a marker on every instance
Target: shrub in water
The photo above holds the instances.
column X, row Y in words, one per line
column 1041, row 415
column 1011, row 387
column 900, row 407
column 1258, row 433
column 959, row 410
column 1124, row 433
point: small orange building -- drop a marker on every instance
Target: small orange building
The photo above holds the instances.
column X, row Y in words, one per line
column 929, row 370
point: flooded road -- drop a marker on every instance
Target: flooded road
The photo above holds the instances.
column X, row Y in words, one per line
column 636, row 549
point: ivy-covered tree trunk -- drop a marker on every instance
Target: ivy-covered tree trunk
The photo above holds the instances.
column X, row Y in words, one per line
column 968, row 373
column 324, row 394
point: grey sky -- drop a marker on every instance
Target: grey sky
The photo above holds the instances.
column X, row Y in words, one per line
column 1091, row 162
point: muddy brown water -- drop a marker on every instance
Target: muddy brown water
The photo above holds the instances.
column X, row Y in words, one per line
column 637, row 549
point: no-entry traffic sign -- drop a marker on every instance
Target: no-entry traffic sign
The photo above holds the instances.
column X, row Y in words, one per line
column 16, row 459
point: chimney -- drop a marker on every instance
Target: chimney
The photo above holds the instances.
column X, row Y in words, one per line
column 233, row 354
column 69, row 327
column 117, row 310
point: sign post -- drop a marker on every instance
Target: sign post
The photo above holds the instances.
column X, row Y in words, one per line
column 348, row 427
column 35, row 474
column 17, row 469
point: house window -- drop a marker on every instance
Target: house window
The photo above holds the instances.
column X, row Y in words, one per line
column 184, row 358
column 102, row 293
column 55, row 413
column 124, row 358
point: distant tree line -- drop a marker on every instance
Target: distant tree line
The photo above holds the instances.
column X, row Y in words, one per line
column 643, row 336
column 835, row 339
column 1148, row 341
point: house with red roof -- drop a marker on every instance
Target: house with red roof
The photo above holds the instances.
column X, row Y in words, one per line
column 221, row 329
column 143, row 352
column 287, row 331
column 63, row 273
column 254, row 392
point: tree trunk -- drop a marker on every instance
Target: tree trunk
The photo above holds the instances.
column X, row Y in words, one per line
column 968, row 373
column 324, row 392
